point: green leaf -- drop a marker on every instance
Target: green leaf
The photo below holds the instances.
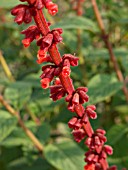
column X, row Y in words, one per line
column 7, row 124
column 65, row 156
column 7, row 4
column 18, row 94
column 22, row 164
column 43, row 132
column 77, row 23
column 123, row 109
column 101, row 87
column 103, row 53
column 116, row 133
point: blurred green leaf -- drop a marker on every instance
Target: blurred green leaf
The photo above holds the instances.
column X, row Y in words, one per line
column 18, row 94
column 116, row 133
column 6, row 4
column 77, row 23
column 101, row 87
column 65, row 156
column 7, row 124
column 43, row 132
column 22, row 164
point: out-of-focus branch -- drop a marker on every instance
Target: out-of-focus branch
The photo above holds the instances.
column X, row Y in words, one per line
column 6, row 68
column 13, row 112
column 109, row 47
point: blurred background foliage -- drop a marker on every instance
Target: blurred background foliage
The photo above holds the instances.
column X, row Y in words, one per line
column 48, row 119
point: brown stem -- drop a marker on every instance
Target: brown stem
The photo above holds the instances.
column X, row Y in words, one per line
column 6, row 68
column 13, row 112
column 109, row 47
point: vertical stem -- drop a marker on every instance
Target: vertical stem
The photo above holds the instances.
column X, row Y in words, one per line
column 109, row 47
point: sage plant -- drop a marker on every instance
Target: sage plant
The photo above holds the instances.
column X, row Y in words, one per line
column 58, row 72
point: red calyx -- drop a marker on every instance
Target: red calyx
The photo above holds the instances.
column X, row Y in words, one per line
column 22, row 13
column 31, row 33
column 52, row 8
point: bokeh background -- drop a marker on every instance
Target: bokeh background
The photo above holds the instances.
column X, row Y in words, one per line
column 47, row 119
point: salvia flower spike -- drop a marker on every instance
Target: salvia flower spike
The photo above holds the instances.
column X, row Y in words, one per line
column 58, row 72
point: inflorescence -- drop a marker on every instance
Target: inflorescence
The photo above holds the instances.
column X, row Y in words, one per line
column 58, row 71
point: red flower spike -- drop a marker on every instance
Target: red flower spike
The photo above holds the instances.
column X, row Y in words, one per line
column 96, row 157
column 89, row 167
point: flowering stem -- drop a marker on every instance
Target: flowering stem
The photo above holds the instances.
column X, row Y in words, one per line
column 60, row 67
column 13, row 112
column 109, row 47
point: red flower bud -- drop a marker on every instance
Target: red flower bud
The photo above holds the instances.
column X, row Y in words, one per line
column 52, row 8
column 89, row 167
column 75, row 99
column 66, row 71
column 108, row 149
column 72, row 122
column 45, row 83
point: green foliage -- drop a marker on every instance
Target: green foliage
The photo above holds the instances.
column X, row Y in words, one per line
column 7, row 124
column 5, row 4
column 66, row 155
column 108, row 87
column 77, row 23
column 48, row 119
column 18, row 94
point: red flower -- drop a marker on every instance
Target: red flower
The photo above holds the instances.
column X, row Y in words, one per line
column 31, row 33
column 89, row 167
column 22, row 13
column 52, row 8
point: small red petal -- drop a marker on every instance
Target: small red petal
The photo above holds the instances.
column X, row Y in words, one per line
column 45, row 83
column 89, row 167
column 66, row 71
